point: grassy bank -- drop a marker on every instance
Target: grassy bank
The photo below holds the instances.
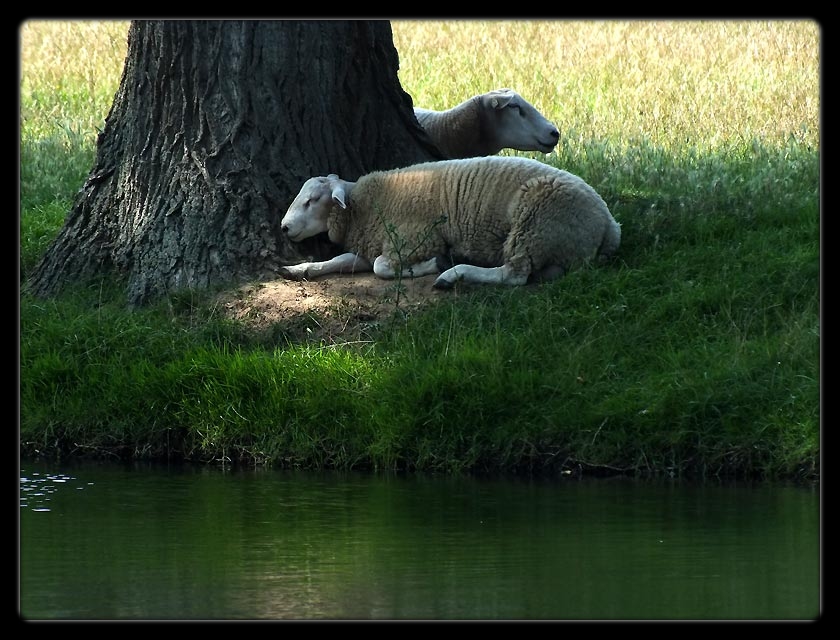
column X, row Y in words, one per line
column 697, row 352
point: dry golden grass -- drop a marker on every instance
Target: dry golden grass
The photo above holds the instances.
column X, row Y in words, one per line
column 668, row 82
column 56, row 53
column 671, row 82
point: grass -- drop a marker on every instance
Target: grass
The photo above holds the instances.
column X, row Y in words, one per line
column 695, row 353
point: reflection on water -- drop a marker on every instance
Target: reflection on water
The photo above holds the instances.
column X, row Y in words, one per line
column 37, row 489
column 111, row 542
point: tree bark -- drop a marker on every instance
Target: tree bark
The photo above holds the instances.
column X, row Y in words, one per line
column 213, row 130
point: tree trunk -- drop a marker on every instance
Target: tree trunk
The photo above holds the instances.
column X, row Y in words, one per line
column 213, row 130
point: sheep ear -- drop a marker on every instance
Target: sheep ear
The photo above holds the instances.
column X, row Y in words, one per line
column 499, row 100
column 338, row 195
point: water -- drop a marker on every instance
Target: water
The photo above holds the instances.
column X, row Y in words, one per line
column 104, row 542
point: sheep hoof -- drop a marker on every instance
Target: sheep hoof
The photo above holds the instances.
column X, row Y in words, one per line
column 290, row 274
column 443, row 263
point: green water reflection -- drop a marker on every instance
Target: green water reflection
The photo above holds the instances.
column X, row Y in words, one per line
column 109, row 542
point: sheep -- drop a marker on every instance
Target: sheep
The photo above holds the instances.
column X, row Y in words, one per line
column 496, row 219
column 487, row 123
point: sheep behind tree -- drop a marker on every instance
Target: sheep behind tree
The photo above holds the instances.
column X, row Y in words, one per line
column 487, row 123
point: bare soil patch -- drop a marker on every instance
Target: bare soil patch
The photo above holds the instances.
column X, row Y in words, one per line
column 335, row 308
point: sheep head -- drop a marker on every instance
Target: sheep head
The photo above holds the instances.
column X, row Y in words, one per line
column 508, row 121
column 309, row 213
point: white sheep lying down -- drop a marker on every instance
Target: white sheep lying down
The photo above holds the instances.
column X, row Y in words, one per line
column 493, row 219
column 487, row 123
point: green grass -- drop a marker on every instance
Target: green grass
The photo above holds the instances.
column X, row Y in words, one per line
column 696, row 352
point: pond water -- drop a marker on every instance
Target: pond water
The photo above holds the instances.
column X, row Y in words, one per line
column 147, row 542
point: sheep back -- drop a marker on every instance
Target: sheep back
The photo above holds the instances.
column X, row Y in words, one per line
column 456, row 131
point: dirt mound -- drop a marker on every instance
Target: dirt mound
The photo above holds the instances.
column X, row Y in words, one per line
column 335, row 308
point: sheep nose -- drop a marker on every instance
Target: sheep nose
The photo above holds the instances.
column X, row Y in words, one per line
column 555, row 134
column 284, row 228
